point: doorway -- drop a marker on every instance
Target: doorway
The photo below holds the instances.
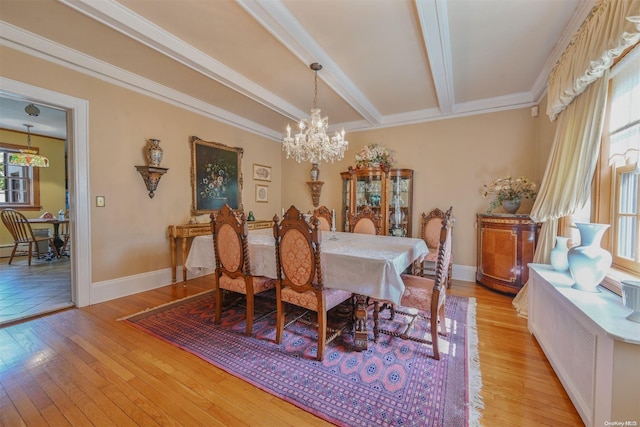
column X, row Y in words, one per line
column 77, row 112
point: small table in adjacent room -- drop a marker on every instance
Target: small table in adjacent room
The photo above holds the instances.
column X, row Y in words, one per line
column 57, row 241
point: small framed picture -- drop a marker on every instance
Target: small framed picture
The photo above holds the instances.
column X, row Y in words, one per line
column 262, row 193
column 261, row 172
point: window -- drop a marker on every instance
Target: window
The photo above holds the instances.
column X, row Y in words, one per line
column 19, row 185
column 620, row 161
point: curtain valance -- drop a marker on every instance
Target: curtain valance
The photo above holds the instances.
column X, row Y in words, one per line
column 612, row 27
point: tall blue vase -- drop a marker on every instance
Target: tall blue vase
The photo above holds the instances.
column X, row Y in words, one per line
column 588, row 262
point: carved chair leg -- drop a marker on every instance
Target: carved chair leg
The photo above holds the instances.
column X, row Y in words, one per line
column 376, row 322
column 434, row 335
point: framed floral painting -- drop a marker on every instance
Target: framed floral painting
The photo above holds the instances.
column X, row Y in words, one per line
column 216, row 176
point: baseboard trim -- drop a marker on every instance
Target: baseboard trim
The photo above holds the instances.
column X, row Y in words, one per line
column 125, row 286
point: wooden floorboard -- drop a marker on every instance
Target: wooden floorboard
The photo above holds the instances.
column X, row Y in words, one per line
column 83, row 367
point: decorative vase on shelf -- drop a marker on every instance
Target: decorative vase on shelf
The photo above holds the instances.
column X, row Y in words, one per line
column 315, row 172
column 154, row 153
column 558, row 255
column 511, row 206
column 588, row 262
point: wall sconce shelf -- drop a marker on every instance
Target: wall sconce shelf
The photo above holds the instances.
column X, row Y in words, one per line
column 316, row 188
column 151, row 176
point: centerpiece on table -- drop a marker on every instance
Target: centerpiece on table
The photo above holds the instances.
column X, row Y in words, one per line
column 509, row 193
column 374, row 156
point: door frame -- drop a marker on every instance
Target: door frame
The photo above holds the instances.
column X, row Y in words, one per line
column 78, row 165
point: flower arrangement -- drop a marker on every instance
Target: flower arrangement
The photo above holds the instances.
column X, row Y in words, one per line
column 216, row 178
column 508, row 188
column 374, row 156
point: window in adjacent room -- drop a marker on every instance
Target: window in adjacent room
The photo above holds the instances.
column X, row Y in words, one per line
column 19, row 185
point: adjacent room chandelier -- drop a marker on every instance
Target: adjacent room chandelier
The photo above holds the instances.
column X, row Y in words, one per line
column 312, row 143
column 28, row 157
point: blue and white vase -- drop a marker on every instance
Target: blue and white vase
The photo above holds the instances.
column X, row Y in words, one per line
column 588, row 262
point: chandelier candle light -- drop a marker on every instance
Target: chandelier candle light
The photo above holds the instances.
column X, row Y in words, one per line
column 312, row 143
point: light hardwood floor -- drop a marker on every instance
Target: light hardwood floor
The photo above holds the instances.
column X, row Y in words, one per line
column 82, row 367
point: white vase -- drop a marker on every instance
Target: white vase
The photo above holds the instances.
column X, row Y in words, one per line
column 558, row 255
column 588, row 262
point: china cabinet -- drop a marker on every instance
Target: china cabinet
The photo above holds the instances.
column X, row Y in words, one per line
column 388, row 193
column 506, row 244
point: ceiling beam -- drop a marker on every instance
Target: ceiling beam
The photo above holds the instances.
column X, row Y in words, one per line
column 279, row 21
column 434, row 22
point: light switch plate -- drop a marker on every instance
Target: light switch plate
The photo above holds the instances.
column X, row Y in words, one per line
column 100, row 201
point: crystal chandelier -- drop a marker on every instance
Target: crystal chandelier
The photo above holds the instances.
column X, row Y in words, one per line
column 28, row 157
column 312, row 142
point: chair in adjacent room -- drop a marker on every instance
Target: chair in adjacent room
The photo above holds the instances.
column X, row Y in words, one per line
column 426, row 296
column 325, row 216
column 431, row 225
column 367, row 221
column 232, row 263
column 300, row 283
column 65, row 235
column 22, row 234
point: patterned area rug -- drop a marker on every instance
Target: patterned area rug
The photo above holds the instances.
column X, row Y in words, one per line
column 393, row 383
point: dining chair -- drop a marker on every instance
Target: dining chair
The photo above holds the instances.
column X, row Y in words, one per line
column 425, row 295
column 366, row 221
column 22, row 234
column 431, row 225
column 325, row 216
column 300, row 283
column 232, row 271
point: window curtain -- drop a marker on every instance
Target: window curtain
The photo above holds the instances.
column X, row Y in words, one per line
column 577, row 88
column 612, row 27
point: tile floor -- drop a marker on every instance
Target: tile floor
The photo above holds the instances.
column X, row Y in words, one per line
column 28, row 291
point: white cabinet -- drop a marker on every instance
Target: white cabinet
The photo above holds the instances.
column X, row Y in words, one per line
column 593, row 349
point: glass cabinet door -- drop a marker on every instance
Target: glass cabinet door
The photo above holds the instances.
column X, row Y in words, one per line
column 389, row 194
column 368, row 191
column 400, row 199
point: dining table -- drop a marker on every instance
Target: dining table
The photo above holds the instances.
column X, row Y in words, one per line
column 57, row 241
column 367, row 265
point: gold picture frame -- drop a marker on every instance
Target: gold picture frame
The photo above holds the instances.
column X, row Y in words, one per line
column 262, row 193
column 216, row 176
column 261, row 172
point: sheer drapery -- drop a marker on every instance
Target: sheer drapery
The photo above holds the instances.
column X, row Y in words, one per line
column 612, row 27
column 566, row 184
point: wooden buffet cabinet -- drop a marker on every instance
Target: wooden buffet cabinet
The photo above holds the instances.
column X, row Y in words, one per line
column 506, row 244
column 185, row 231
column 388, row 193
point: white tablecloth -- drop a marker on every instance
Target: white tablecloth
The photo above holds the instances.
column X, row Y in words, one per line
column 361, row 263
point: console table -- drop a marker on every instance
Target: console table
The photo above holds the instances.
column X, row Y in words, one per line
column 593, row 349
column 185, row 231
